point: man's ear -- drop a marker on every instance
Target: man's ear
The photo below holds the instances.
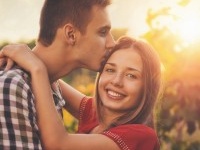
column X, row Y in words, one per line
column 70, row 34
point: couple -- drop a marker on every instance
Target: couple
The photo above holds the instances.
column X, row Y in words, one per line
column 127, row 86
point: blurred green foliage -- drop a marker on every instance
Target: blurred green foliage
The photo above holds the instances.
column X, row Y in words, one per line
column 178, row 119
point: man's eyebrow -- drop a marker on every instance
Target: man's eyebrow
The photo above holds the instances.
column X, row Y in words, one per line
column 108, row 27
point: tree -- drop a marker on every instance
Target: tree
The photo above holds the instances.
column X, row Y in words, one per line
column 178, row 117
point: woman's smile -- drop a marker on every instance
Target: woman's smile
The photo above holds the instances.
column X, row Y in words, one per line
column 115, row 95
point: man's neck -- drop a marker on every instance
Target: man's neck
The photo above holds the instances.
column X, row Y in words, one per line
column 58, row 65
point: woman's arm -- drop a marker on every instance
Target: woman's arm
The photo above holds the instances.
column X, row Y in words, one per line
column 72, row 98
column 52, row 130
column 53, row 134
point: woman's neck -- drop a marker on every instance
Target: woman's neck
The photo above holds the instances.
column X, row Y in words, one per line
column 99, row 129
column 107, row 119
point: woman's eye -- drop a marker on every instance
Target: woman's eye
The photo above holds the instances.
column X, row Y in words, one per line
column 131, row 76
column 109, row 70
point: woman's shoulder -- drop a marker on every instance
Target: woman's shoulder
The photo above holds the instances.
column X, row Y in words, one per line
column 86, row 108
column 134, row 136
column 138, row 130
column 87, row 115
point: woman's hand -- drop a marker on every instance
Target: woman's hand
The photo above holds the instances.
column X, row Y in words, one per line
column 22, row 55
column 6, row 62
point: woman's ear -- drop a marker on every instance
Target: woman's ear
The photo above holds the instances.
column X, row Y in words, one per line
column 70, row 34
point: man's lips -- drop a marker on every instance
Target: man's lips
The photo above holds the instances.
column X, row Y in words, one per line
column 104, row 60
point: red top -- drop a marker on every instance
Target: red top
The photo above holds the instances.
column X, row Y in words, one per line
column 127, row 137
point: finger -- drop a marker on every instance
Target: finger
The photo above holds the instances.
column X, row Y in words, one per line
column 2, row 62
column 9, row 64
column 9, row 50
column 1, row 54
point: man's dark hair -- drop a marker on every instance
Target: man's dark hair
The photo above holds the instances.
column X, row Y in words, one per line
column 56, row 13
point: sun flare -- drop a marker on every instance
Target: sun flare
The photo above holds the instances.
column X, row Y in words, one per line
column 183, row 22
column 188, row 27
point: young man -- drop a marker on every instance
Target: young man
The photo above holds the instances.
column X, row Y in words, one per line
column 73, row 34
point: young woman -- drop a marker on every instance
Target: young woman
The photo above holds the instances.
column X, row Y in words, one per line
column 117, row 118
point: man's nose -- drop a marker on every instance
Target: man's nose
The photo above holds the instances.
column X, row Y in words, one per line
column 110, row 42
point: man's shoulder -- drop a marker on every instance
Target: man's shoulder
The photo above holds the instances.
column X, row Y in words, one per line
column 16, row 75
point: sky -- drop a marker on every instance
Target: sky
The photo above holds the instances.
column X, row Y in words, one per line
column 19, row 19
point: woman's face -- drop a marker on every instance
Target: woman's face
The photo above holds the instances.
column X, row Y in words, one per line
column 121, row 82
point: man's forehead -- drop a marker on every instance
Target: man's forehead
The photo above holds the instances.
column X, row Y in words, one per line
column 100, row 18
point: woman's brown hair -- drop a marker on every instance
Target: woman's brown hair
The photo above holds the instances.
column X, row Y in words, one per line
column 151, row 80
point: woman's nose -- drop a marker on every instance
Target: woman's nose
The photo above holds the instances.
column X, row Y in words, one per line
column 117, row 80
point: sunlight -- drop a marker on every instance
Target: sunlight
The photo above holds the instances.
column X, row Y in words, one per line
column 188, row 29
column 186, row 23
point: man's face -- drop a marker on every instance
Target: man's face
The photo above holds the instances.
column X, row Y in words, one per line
column 95, row 43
